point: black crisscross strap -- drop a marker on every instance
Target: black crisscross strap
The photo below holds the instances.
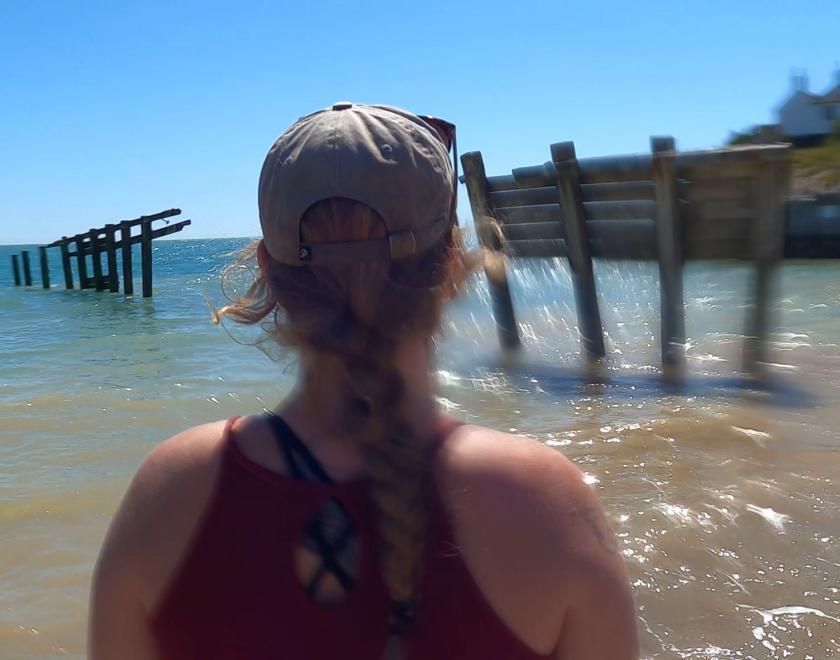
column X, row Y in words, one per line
column 329, row 534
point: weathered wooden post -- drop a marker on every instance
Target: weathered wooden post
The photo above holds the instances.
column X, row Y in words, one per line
column 65, row 263
column 45, row 267
column 146, row 257
column 16, row 269
column 113, row 277
column 669, row 246
column 768, row 247
column 96, row 256
column 27, row 273
column 577, row 245
column 81, row 261
column 488, row 236
column 125, row 241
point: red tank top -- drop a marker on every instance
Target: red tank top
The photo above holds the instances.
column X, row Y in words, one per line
column 236, row 594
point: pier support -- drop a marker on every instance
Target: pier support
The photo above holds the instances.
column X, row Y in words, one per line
column 146, row 257
column 81, row 261
column 113, row 277
column 577, row 245
column 96, row 241
column 128, row 275
column 489, row 238
column 669, row 247
column 45, row 267
column 16, row 269
column 27, row 272
column 65, row 263
column 768, row 249
column 96, row 256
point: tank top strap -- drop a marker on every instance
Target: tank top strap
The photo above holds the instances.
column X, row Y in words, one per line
column 300, row 461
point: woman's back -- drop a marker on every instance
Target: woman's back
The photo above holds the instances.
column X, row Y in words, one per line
column 520, row 563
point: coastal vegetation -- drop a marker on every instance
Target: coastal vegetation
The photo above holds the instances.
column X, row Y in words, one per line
column 816, row 169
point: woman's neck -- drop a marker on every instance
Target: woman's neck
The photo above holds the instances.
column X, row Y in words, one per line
column 316, row 408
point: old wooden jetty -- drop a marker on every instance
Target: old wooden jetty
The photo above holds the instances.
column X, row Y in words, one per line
column 95, row 243
column 665, row 205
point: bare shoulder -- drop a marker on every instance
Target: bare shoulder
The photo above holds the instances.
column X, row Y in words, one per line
column 540, row 485
column 160, row 510
column 518, row 503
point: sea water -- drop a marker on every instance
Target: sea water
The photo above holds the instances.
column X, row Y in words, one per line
column 724, row 497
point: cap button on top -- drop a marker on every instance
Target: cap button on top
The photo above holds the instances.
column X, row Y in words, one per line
column 343, row 105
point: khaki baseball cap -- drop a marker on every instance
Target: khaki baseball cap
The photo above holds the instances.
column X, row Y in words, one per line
column 381, row 156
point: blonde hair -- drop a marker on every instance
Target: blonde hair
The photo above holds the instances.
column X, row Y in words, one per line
column 360, row 313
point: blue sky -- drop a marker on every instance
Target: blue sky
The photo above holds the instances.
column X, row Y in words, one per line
column 109, row 110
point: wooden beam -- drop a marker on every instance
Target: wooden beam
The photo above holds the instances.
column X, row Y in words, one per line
column 608, row 239
column 772, row 184
column 157, row 233
column 638, row 167
column 540, row 248
column 139, row 221
column 669, row 244
column 171, row 229
column 622, row 239
column 96, row 256
column 488, row 236
column 590, row 192
column 533, row 231
column 146, row 257
column 717, row 189
column 81, row 261
column 607, row 169
column 128, row 274
column 547, row 213
column 623, row 210
column 16, row 269
column 110, row 251
column 45, row 267
column 567, row 180
column 65, row 263
column 27, row 272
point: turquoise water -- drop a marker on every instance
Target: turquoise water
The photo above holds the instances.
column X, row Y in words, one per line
column 724, row 497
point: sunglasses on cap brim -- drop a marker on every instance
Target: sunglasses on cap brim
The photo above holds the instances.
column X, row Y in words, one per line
column 445, row 130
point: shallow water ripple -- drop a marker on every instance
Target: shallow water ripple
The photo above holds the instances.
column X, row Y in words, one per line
column 724, row 498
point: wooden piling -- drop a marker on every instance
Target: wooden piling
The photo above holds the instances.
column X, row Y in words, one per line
column 65, row 263
column 16, row 269
column 110, row 248
column 81, row 261
column 146, row 257
column 669, row 246
column 488, row 236
column 96, row 257
column 768, row 248
column 567, row 179
column 125, row 240
column 45, row 267
column 27, row 272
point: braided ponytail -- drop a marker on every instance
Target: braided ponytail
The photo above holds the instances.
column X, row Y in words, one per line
column 359, row 314
column 397, row 461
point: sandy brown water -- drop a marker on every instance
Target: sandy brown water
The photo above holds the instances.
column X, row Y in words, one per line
column 725, row 498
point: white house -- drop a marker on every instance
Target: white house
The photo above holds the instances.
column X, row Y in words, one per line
column 805, row 115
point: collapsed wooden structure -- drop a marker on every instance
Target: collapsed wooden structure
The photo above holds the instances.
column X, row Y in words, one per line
column 104, row 240
column 669, row 206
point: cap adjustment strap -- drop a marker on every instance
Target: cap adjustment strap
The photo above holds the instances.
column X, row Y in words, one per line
column 397, row 245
